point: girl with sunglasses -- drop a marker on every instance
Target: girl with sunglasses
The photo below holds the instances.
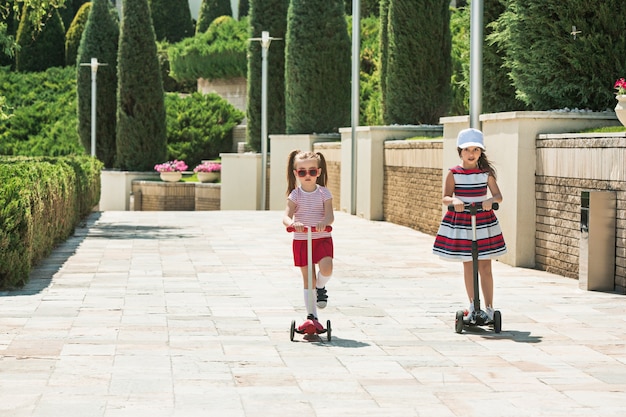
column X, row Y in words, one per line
column 310, row 204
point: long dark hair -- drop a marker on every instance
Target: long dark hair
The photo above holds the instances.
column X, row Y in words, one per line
column 303, row 156
column 483, row 163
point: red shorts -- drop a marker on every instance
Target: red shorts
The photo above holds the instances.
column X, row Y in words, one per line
column 321, row 249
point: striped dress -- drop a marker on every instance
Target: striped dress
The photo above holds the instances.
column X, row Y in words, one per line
column 454, row 238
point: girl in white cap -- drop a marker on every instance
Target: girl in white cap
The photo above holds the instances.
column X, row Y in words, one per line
column 468, row 183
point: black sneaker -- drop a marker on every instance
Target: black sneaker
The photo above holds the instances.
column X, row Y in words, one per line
column 322, row 297
column 311, row 317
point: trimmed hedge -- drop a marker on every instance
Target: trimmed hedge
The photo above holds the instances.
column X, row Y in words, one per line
column 42, row 199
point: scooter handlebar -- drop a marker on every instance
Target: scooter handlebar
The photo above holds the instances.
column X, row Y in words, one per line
column 479, row 206
column 313, row 229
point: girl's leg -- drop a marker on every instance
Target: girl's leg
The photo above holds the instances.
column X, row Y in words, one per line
column 326, row 271
column 468, row 275
column 311, row 308
column 486, row 281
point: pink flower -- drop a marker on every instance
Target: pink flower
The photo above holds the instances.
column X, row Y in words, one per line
column 620, row 86
column 208, row 167
column 171, row 166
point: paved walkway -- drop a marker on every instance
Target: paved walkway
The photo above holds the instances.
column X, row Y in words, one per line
column 187, row 314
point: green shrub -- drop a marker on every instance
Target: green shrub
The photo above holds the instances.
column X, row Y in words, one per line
column 417, row 83
column 100, row 40
column 141, row 134
column 43, row 113
column 211, row 10
column 317, row 67
column 74, row 33
column 41, row 202
column 199, row 126
column 270, row 16
column 551, row 69
column 39, row 50
column 220, row 52
column 171, row 20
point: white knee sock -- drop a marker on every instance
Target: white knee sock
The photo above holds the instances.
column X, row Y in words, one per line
column 310, row 309
column 322, row 280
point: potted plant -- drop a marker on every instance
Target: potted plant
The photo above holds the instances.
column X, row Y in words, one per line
column 208, row 171
column 620, row 108
column 171, row 171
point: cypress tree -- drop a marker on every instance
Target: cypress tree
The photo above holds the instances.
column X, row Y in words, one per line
column 141, row 133
column 550, row 68
column 384, row 52
column 271, row 16
column 419, row 64
column 244, row 8
column 211, row 10
column 99, row 40
column 75, row 32
column 317, row 67
column 68, row 11
column 40, row 50
column 171, row 19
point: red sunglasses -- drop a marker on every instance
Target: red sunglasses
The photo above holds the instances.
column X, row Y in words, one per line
column 312, row 172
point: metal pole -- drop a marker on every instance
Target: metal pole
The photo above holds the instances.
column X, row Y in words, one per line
column 265, row 44
column 476, row 62
column 94, row 71
column 94, row 64
column 356, row 49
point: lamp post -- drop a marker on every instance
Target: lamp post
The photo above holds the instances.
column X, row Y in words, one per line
column 94, row 64
column 476, row 62
column 265, row 46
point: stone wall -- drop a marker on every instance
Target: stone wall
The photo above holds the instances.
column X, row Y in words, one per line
column 568, row 164
column 412, row 184
column 174, row 196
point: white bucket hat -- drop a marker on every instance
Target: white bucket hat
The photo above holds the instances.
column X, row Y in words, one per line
column 470, row 137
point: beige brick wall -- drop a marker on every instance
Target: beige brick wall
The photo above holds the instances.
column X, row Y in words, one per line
column 563, row 162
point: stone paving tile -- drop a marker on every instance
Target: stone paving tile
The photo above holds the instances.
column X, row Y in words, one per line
column 187, row 314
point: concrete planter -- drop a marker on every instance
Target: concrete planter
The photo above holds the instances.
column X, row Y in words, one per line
column 116, row 187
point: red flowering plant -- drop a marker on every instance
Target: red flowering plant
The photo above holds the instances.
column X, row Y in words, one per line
column 171, row 166
column 208, row 166
column 620, row 86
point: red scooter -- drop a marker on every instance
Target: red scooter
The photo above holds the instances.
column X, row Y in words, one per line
column 311, row 325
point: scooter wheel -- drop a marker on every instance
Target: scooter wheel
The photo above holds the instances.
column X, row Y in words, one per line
column 458, row 322
column 328, row 331
column 497, row 321
column 292, row 330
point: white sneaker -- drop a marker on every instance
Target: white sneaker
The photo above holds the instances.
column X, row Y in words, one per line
column 489, row 311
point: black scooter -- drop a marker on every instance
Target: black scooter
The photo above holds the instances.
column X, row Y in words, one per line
column 478, row 317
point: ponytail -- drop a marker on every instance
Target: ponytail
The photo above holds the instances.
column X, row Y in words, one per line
column 291, row 178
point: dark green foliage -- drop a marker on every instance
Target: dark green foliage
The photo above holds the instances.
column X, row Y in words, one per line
column 41, row 202
column 368, row 7
column 140, row 139
column 199, row 127
column 459, row 82
column 39, row 50
column 99, row 40
column 317, row 67
column 171, row 20
column 244, row 8
column 370, row 113
column 169, row 83
column 498, row 91
column 219, row 52
column 270, row 16
column 68, row 11
column 43, row 113
column 75, row 32
column 211, row 10
column 417, row 84
column 552, row 70
column 383, row 34
column 8, row 17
